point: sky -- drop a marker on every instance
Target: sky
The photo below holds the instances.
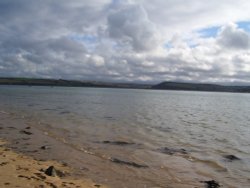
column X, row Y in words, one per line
column 141, row 41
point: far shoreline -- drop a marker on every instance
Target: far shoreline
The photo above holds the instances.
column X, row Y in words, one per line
column 169, row 85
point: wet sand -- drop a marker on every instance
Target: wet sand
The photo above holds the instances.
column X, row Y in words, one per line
column 24, row 159
column 27, row 149
column 18, row 170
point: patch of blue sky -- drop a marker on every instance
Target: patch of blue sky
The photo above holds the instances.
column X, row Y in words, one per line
column 245, row 25
column 190, row 43
column 209, row 32
column 89, row 41
column 168, row 45
column 213, row 31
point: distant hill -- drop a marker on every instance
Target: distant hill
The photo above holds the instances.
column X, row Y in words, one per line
column 200, row 87
column 161, row 86
column 68, row 83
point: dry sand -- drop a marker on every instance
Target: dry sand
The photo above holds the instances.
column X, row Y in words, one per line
column 17, row 170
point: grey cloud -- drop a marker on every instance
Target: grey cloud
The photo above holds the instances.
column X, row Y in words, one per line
column 46, row 19
column 130, row 24
column 232, row 37
column 35, row 37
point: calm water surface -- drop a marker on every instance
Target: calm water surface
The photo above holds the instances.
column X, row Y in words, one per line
column 207, row 125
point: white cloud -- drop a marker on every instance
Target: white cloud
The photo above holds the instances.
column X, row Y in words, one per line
column 128, row 40
column 185, row 16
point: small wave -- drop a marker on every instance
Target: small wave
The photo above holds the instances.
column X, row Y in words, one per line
column 31, row 105
column 163, row 129
column 212, row 163
column 223, row 140
column 3, row 112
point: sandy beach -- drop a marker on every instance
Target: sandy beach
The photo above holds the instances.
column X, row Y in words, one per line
column 20, row 167
column 18, row 170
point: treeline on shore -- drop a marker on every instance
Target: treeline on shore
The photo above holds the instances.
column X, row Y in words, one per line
column 160, row 86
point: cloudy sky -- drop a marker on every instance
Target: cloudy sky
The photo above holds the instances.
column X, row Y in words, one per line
column 126, row 40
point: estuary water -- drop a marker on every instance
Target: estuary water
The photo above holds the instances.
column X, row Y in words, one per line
column 180, row 138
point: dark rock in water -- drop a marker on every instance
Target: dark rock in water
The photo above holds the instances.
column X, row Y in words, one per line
column 65, row 112
column 115, row 160
column 231, row 157
column 212, row 184
column 120, row 143
column 48, row 109
column 31, row 151
column 25, row 132
column 28, row 127
column 45, row 147
column 172, row 151
column 108, row 117
column 51, row 171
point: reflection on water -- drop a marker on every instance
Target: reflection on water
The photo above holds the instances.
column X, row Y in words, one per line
column 206, row 125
